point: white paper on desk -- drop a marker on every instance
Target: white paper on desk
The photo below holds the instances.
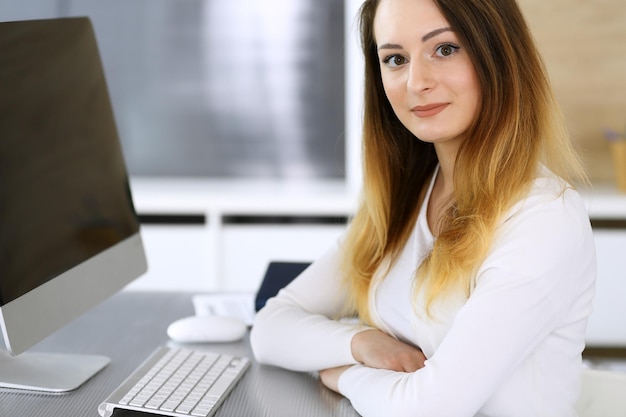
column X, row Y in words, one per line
column 239, row 305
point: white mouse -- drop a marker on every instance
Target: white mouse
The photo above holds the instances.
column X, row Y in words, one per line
column 206, row 329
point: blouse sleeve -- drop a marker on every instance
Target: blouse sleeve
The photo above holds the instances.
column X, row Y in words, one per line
column 299, row 329
column 538, row 277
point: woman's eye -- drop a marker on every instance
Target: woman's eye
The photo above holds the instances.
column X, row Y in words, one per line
column 394, row 61
column 446, row 50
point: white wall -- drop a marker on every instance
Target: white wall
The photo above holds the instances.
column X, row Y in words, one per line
column 354, row 95
column 607, row 324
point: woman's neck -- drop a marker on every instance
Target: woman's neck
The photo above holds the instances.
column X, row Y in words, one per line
column 442, row 194
column 446, row 154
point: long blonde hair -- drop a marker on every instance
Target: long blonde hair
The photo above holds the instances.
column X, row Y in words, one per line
column 518, row 127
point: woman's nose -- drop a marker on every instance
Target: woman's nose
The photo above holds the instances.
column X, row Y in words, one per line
column 420, row 77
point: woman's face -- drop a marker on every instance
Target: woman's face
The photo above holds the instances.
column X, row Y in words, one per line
column 427, row 74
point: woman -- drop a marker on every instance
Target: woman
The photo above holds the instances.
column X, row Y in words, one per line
column 470, row 262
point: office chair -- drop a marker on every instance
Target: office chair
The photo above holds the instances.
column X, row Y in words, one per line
column 603, row 394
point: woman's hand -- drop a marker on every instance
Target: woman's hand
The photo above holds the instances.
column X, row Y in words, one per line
column 330, row 377
column 376, row 349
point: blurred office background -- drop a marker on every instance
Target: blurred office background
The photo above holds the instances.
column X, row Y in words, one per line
column 233, row 120
column 220, row 89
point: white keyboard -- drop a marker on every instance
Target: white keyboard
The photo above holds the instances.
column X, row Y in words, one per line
column 178, row 382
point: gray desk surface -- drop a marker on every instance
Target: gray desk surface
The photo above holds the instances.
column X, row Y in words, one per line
column 127, row 328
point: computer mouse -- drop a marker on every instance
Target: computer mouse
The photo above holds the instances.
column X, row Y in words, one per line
column 206, row 329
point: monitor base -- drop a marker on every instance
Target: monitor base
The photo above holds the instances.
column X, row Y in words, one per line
column 48, row 372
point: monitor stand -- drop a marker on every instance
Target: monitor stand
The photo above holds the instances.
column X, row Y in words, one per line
column 48, row 372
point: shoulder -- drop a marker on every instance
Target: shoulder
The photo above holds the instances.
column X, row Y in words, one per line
column 549, row 225
column 550, row 199
column 544, row 245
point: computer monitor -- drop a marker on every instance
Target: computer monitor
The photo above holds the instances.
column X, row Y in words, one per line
column 69, row 234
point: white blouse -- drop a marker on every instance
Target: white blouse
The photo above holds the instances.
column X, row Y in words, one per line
column 513, row 348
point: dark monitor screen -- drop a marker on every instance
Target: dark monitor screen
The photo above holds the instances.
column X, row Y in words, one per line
column 69, row 234
column 60, row 203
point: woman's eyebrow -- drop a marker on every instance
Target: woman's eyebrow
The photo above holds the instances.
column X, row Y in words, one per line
column 435, row 32
column 425, row 38
column 389, row 46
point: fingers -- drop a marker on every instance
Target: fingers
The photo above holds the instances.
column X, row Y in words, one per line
column 402, row 361
column 376, row 349
column 330, row 377
column 413, row 362
column 327, row 380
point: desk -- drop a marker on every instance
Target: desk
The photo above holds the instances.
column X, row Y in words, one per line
column 127, row 328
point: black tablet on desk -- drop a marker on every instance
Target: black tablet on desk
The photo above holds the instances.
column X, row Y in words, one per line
column 277, row 276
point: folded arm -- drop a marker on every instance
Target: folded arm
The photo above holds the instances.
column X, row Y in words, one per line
column 299, row 329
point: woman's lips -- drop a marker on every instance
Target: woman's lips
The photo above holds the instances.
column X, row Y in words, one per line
column 429, row 109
